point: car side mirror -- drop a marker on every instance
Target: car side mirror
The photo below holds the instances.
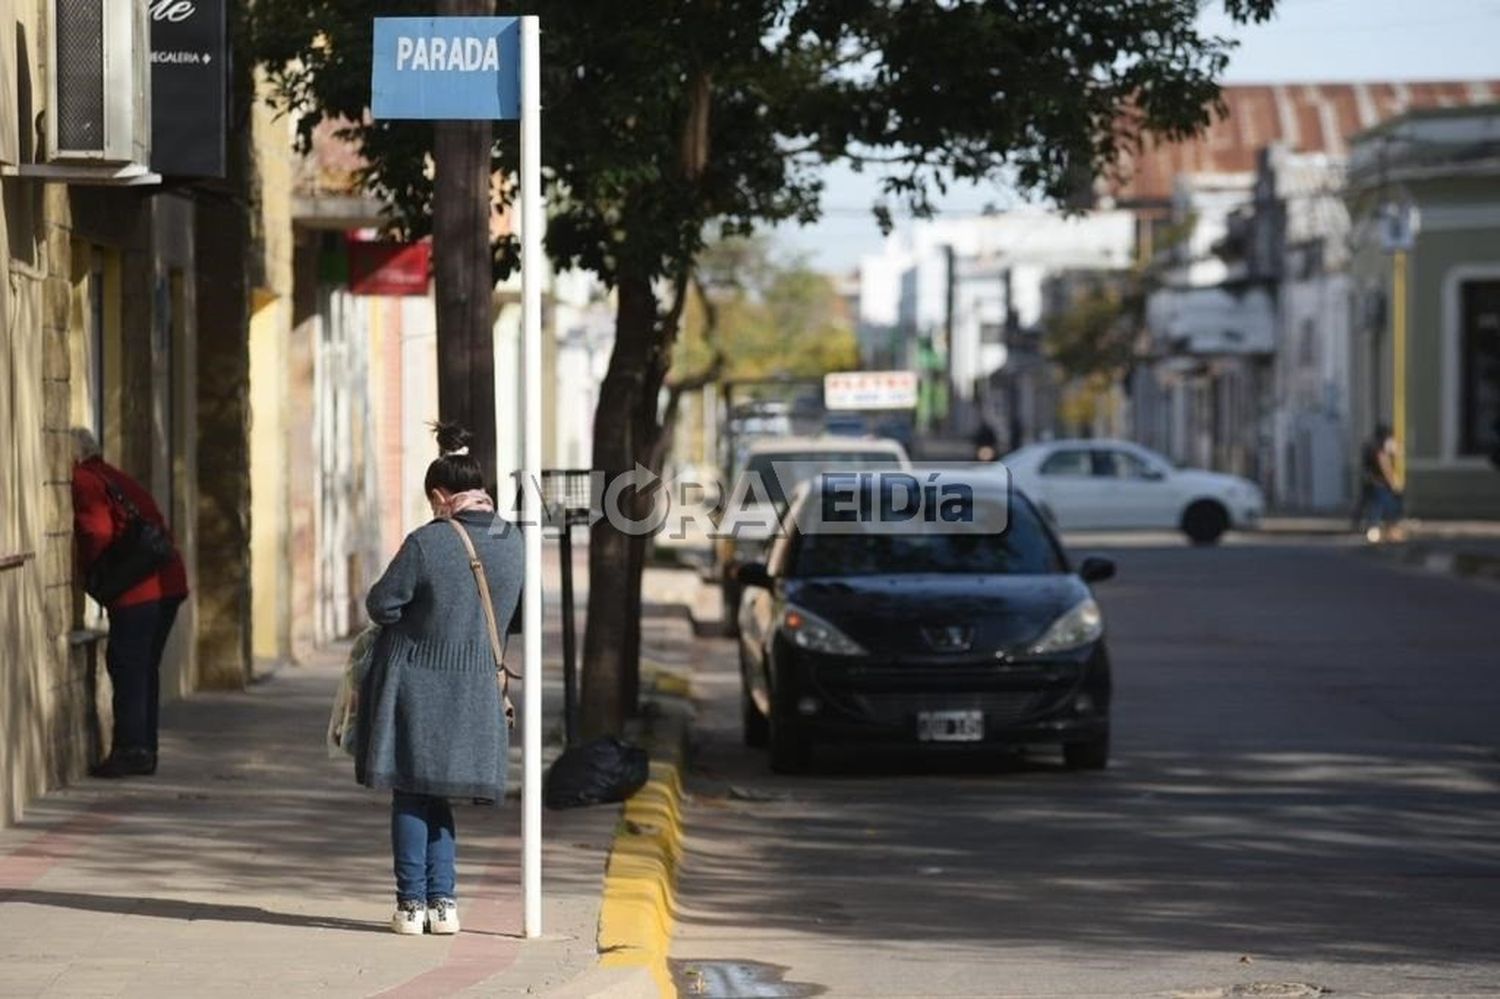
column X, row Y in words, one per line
column 753, row 574
column 1096, row 569
column 1153, row 475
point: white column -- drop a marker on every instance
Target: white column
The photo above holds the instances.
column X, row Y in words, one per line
column 533, row 270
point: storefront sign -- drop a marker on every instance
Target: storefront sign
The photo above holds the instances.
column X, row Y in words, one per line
column 870, row 390
column 189, row 63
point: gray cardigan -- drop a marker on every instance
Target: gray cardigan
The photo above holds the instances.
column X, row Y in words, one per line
column 430, row 714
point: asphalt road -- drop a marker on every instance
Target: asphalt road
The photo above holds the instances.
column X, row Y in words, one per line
column 1305, row 796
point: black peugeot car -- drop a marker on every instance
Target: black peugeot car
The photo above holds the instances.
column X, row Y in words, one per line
column 924, row 634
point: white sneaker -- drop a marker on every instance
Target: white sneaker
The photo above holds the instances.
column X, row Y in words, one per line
column 442, row 916
column 410, row 918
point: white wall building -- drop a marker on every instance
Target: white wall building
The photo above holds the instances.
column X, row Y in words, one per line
column 1199, row 398
column 972, row 275
column 1313, row 447
column 584, row 326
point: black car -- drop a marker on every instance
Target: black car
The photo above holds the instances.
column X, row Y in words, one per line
column 976, row 637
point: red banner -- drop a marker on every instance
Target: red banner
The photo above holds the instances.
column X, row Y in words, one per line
column 383, row 267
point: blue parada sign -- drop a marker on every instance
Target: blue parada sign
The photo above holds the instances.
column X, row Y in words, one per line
column 446, row 68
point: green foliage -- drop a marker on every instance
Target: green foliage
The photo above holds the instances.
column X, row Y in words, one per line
column 667, row 116
column 762, row 319
column 1095, row 335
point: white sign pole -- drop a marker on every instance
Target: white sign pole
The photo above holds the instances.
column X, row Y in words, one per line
column 533, row 269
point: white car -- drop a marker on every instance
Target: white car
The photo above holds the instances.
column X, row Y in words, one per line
column 1105, row 484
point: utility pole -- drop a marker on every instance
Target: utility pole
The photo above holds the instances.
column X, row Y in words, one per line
column 463, row 277
column 1399, row 363
column 1398, row 236
column 950, row 304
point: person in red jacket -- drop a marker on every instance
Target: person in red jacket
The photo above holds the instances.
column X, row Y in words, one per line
column 140, row 619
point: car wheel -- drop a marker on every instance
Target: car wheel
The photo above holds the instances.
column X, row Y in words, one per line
column 791, row 751
column 1091, row 755
column 1205, row 522
column 754, row 727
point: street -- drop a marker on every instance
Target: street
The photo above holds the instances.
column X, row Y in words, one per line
column 1304, row 796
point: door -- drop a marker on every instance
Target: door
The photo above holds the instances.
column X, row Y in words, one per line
column 1479, row 399
column 1133, row 493
column 1070, row 491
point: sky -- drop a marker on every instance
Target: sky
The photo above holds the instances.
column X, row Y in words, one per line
column 1308, row 40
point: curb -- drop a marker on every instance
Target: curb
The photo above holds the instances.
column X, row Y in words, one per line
column 638, row 911
column 1448, row 562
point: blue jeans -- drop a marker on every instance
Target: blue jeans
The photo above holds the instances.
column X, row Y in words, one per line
column 423, row 845
column 1382, row 506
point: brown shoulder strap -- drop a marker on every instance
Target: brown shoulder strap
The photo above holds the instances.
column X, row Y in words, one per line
column 484, row 597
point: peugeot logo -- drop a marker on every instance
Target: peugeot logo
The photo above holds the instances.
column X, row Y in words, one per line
column 949, row 638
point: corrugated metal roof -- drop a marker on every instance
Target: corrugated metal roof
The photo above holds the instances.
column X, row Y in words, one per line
column 1307, row 117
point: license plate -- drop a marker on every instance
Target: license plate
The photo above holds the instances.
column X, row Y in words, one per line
column 950, row 726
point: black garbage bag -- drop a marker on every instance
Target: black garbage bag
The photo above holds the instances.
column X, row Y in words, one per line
column 596, row 773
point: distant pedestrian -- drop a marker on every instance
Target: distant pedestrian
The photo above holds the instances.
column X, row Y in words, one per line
column 130, row 565
column 432, row 709
column 1381, row 506
column 986, row 442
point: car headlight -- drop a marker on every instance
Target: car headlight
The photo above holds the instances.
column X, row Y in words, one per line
column 810, row 632
column 1075, row 629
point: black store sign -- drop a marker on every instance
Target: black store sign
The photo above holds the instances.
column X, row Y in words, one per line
column 189, row 63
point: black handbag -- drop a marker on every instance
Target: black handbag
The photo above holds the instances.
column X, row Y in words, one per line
column 141, row 549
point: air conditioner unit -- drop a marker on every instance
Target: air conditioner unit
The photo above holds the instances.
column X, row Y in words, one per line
column 99, row 85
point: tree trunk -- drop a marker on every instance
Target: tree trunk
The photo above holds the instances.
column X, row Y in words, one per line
column 462, row 270
column 625, row 433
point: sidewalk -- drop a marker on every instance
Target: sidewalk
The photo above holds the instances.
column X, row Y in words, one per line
column 1466, row 548
column 253, row 865
column 1475, row 555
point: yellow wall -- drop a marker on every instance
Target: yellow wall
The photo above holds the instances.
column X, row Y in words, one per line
column 268, row 365
column 270, row 360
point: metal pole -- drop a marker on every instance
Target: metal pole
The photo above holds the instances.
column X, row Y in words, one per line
column 533, row 269
column 570, row 641
column 1398, row 364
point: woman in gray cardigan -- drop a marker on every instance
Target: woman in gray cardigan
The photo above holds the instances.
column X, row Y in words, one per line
column 432, row 716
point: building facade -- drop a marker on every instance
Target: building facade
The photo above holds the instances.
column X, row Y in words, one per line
column 113, row 305
column 1424, row 192
column 1248, row 233
column 955, row 297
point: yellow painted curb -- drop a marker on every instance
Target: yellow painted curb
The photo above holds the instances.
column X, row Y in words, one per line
column 637, row 914
column 638, row 911
column 665, row 681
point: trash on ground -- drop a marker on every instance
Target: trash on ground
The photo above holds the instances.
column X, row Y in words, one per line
column 598, row 772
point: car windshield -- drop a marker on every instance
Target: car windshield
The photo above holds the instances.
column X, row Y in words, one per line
column 1023, row 548
column 782, row 472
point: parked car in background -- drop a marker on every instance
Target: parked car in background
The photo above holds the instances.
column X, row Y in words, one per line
column 779, row 466
column 973, row 639
column 1105, row 484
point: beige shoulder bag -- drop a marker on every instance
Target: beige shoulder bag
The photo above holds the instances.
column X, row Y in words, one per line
column 503, row 675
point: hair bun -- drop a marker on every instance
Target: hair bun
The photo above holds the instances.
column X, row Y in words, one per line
column 451, row 437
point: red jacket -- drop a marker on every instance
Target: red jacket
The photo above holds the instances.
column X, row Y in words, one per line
column 97, row 522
